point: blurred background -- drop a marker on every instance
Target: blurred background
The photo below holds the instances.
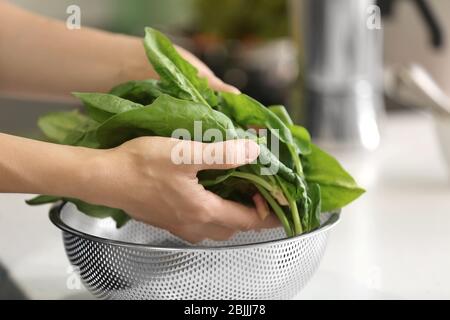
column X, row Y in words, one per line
column 313, row 57
column 370, row 80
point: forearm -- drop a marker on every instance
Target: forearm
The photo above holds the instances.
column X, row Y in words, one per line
column 41, row 58
column 29, row 166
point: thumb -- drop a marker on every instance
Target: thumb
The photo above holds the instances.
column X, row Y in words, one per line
column 228, row 154
column 219, row 85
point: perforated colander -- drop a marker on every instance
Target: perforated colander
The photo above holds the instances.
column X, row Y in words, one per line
column 139, row 261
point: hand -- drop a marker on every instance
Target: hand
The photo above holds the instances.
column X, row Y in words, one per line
column 85, row 60
column 140, row 178
column 214, row 82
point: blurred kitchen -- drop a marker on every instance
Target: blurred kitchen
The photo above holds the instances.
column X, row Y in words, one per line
column 369, row 79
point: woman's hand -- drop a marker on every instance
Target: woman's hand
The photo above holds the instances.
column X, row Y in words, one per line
column 63, row 60
column 214, row 82
column 141, row 178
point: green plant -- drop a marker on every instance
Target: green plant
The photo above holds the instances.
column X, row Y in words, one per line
column 236, row 19
column 308, row 180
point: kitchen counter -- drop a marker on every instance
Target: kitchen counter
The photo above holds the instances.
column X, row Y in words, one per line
column 393, row 243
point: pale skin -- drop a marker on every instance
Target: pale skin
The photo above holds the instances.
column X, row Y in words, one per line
column 41, row 59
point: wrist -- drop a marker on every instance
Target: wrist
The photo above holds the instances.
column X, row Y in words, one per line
column 80, row 177
column 134, row 63
column 68, row 174
column 39, row 167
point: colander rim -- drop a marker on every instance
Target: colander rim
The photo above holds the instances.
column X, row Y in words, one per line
column 55, row 213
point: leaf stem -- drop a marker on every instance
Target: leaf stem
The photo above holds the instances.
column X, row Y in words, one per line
column 298, row 229
column 213, row 182
column 254, row 178
column 296, row 159
column 277, row 210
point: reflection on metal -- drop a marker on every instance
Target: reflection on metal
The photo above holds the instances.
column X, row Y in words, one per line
column 343, row 71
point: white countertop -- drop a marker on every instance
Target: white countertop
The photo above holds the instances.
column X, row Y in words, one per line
column 393, row 243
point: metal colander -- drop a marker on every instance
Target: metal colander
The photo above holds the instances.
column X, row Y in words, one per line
column 139, row 261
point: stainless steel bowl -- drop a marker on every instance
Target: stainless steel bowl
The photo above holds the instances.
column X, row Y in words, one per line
column 139, row 261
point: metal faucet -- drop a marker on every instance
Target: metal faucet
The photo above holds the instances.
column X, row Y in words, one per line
column 342, row 71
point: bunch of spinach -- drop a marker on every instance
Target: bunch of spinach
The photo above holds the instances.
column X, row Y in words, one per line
column 308, row 181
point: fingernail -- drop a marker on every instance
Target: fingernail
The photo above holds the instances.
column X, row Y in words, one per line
column 233, row 89
column 251, row 150
column 228, row 88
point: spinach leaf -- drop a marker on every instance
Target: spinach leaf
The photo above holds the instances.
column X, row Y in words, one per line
column 140, row 91
column 246, row 111
column 278, row 211
column 178, row 77
column 234, row 189
column 43, row 199
column 101, row 212
column 282, row 114
column 83, row 137
column 313, row 220
column 96, row 211
column 57, row 125
column 209, row 178
column 337, row 187
column 297, row 192
column 102, row 106
column 267, row 159
column 290, row 194
column 162, row 118
column 302, row 139
column 300, row 135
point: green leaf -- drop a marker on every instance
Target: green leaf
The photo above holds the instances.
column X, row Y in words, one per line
column 95, row 211
column 83, row 137
column 337, row 187
column 165, row 115
column 39, row 200
column 101, row 212
column 302, row 139
column 282, row 114
column 141, row 91
column 267, row 159
column 177, row 101
column 290, row 191
column 178, row 76
column 209, row 178
column 246, row 111
column 57, row 125
column 277, row 210
column 315, row 208
column 102, row 106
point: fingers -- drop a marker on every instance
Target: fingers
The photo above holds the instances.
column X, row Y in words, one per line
column 218, row 219
column 195, row 233
column 203, row 71
column 218, row 85
column 228, row 154
column 236, row 216
column 261, row 206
